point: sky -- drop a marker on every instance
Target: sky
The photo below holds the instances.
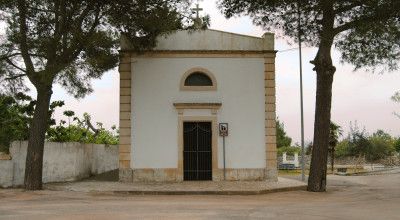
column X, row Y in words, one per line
column 361, row 96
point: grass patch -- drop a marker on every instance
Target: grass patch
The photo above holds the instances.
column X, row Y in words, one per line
column 290, row 172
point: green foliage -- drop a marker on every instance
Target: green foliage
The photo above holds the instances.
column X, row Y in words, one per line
column 282, row 140
column 373, row 45
column 290, row 150
column 334, row 133
column 308, row 148
column 397, row 145
column 374, row 147
column 16, row 113
column 71, row 42
column 343, row 149
column 382, row 145
column 74, row 133
column 367, row 33
column 396, row 98
column 69, row 113
column 106, row 137
column 323, row 23
column 81, row 131
column 13, row 121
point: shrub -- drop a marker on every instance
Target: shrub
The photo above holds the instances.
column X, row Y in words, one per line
column 291, row 150
column 16, row 114
column 342, row 149
column 282, row 140
column 381, row 146
column 397, row 145
column 377, row 146
column 81, row 130
column 14, row 120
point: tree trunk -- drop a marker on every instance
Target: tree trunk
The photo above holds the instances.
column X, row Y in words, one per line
column 325, row 71
column 37, row 131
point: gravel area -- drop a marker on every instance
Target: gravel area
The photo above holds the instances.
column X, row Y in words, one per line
column 348, row 197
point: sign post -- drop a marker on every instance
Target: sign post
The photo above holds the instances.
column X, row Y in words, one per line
column 223, row 132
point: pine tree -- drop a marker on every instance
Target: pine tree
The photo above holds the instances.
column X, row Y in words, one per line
column 70, row 42
column 366, row 32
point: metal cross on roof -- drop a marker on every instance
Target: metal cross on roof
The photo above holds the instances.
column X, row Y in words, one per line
column 197, row 9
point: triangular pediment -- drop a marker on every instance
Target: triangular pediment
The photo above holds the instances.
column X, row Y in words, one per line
column 211, row 40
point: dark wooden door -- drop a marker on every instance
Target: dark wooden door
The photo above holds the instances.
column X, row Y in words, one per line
column 197, row 155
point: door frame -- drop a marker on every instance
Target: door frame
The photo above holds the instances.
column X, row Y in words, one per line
column 214, row 142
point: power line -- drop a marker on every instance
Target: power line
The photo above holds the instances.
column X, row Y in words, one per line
column 290, row 49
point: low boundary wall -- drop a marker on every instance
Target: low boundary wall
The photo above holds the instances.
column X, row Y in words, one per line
column 62, row 162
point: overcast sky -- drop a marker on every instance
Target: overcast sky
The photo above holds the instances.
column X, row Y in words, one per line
column 357, row 96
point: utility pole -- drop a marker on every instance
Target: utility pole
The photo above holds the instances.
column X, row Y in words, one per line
column 303, row 178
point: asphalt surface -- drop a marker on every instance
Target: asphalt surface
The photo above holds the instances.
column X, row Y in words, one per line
column 348, row 197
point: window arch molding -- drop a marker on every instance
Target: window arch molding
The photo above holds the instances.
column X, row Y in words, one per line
column 197, row 70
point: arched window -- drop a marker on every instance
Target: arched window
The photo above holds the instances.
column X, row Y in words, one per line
column 198, row 79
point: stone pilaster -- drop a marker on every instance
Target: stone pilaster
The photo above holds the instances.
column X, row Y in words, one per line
column 125, row 98
column 270, row 118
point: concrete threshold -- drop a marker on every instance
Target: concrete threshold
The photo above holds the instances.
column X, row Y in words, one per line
column 182, row 188
column 210, row 192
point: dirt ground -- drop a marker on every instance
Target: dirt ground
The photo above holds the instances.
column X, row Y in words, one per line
column 348, row 197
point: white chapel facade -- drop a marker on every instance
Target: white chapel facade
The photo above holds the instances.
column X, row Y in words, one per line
column 173, row 98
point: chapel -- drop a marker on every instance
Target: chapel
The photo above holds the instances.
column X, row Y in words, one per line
column 199, row 106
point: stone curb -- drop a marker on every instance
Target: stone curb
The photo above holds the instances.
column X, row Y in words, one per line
column 211, row 192
column 368, row 173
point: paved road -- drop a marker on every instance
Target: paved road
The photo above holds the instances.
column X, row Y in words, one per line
column 360, row 197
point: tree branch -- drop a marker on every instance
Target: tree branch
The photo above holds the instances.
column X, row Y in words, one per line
column 347, row 7
column 352, row 24
column 59, row 8
column 14, row 65
column 23, row 40
column 40, row 10
column 9, row 56
column 89, row 125
column 70, row 55
column 15, row 77
column 380, row 14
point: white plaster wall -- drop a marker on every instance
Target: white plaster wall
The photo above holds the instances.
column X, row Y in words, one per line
column 61, row 162
column 6, row 173
column 155, row 87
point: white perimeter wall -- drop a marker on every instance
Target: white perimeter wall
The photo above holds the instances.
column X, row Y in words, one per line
column 155, row 87
column 61, row 162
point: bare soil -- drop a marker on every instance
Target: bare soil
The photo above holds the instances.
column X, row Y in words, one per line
column 348, row 197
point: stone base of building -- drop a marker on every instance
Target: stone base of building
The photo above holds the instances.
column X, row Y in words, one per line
column 246, row 174
column 175, row 175
column 155, row 175
column 271, row 174
column 125, row 175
